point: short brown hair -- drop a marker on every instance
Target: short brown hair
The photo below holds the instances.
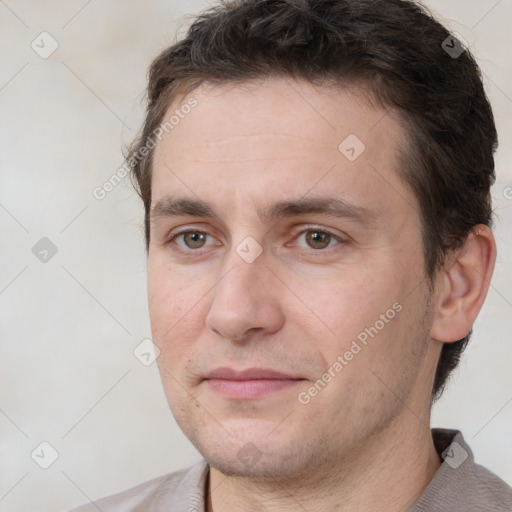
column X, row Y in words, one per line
column 400, row 53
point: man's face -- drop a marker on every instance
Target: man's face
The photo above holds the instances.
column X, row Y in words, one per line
column 340, row 277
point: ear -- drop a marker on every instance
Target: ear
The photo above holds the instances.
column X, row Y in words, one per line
column 462, row 284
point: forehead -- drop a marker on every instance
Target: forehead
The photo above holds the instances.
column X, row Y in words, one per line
column 280, row 137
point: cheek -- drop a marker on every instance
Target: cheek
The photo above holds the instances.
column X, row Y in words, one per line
column 165, row 300
column 348, row 301
column 365, row 315
column 171, row 293
column 174, row 310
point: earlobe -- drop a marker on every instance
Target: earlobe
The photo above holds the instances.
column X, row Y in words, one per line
column 462, row 285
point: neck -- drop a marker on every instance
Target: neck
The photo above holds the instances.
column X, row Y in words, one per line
column 388, row 472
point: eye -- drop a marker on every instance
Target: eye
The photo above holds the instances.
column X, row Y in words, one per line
column 318, row 239
column 190, row 239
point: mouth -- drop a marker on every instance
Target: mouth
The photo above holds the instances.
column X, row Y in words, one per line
column 249, row 384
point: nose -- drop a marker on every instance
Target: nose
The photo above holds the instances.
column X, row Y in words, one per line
column 245, row 302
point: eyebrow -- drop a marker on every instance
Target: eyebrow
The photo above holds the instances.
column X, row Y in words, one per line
column 330, row 206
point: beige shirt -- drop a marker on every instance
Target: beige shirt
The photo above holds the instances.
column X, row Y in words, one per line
column 459, row 485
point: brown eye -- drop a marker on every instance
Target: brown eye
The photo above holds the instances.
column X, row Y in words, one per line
column 194, row 239
column 318, row 239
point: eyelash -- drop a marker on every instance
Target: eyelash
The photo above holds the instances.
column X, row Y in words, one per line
column 316, row 229
column 172, row 239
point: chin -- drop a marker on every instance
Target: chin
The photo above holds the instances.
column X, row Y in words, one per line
column 257, row 458
column 265, row 468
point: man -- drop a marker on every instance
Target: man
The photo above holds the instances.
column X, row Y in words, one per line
column 315, row 176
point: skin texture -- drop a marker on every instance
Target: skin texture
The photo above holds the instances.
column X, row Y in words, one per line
column 363, row 441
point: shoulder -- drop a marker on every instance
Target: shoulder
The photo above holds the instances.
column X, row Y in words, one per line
column 158, row 494
column 473, row 483
column 460, row 484
column 489, row 489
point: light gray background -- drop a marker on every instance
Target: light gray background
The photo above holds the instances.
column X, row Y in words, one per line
column 69, row 326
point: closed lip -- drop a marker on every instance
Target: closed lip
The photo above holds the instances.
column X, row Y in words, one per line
column 226, row 373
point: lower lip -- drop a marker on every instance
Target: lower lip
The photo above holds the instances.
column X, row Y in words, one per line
column 245, row 389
